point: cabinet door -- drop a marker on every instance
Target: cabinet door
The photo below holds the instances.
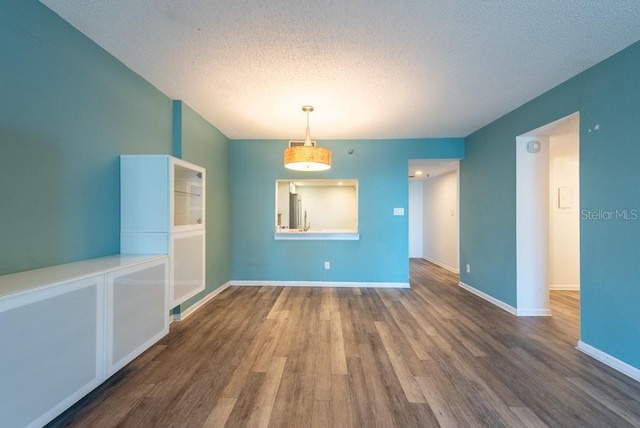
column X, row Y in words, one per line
column 52, row 353
column 187, row 196
column 137, row 311
column 187, row 265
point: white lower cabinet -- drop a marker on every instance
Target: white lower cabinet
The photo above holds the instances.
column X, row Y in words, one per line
column 187, row 265
column 52, row 350
column 137, row 311
column 66, row 329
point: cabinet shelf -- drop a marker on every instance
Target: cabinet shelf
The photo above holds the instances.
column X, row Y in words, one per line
column 178, row 192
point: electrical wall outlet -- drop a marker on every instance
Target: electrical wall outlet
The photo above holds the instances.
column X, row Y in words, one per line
column 327, row 265
column 398, row 211
column 468, row 268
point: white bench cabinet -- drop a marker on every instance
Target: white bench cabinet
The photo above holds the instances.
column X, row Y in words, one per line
column 65, row 329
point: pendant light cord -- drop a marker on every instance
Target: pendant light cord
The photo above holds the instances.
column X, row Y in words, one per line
column 307, row 138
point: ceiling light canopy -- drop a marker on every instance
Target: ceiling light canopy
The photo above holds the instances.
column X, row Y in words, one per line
column 307, row 157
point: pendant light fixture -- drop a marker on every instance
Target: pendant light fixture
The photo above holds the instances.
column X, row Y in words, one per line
column 307, row 157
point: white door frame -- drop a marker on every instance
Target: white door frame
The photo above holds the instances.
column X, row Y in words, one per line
column 532, row 220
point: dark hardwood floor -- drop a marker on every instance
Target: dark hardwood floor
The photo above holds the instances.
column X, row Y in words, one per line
column 432, row 355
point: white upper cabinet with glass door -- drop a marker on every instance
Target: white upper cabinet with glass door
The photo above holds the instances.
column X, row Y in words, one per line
column 160, row 193
column 188, row 197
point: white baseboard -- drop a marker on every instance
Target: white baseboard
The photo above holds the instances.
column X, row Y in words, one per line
column 442, row 265
column 564, row 287
column 320, row 284
column 533, row 312
column 485, row 296
column 609, row 360
column 183, row 315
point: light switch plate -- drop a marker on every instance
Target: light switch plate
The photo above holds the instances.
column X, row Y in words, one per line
column 564, row 197
column 398, row 211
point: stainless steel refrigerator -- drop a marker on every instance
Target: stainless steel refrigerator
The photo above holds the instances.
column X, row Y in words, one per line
column 295, row 211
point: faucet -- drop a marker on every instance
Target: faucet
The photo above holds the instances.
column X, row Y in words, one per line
column 306, row 227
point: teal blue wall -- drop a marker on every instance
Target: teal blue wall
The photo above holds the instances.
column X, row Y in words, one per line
column 68, row 109
column 381, row 254
column 204, row 145
column 607, row 94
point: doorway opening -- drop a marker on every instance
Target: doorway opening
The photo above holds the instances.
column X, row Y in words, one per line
column 433, row 212
column 547, row 214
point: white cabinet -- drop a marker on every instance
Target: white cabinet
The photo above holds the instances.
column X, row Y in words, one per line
column 163, row 212
column 66, row 328
column 137, row 311
column 188, row 270
column 52, row 350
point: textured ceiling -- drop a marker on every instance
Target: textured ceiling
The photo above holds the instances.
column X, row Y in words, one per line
column 371, row 68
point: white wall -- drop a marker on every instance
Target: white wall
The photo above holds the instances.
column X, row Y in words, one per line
column 564, row 223
column 329, row 207
column 532, row 227
column 440, row 227
column 416, row 220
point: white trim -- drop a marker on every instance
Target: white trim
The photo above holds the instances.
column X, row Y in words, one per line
column 321, row 284
column 442, row 265
column 561, row 287
column 609, row 360
column 493, row 300
column 533, row 312
column 183, row 315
